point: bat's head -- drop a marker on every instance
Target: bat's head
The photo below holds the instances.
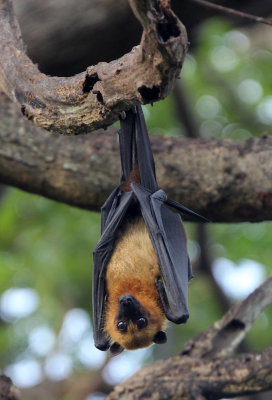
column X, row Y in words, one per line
column 136, row 324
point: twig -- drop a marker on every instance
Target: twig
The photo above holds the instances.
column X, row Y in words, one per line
column 231, row 11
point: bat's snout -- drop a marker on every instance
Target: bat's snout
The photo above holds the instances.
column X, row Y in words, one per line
column 127, row 300
column 128, row 306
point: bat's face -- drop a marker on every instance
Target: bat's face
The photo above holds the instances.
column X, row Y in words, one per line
column 135, row 325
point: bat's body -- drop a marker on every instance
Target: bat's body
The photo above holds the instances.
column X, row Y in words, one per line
column 141, row 265
column 132, row 270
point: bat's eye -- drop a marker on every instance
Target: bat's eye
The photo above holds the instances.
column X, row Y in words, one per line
column 142, row 323
column 122, row 326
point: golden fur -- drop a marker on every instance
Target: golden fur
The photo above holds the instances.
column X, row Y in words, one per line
column 132, row 269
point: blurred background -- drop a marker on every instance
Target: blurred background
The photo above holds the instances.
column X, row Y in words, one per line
column 225, row 92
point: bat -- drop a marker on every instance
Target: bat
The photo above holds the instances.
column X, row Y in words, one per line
column 141, row 266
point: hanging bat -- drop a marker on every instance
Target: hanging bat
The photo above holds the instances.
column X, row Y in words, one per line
column 141, row 265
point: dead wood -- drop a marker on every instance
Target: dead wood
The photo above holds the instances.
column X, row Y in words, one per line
column 65, row 36
column 95, row 98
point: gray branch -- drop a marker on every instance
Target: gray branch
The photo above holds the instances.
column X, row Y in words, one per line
column 188, row 378
column 224, row 180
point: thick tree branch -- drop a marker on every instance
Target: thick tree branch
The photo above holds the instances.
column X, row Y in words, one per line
column 95, row 98
column 217, row 178
column 188, row 378
column 205, row 369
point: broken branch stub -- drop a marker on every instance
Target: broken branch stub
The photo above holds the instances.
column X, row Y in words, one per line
column 226, row 334
column 94, row 99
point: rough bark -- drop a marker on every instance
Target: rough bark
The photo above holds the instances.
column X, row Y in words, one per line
column 205, row 369
column 195, row 379
column 217, row 178
column 78, row 33
column 95, row 98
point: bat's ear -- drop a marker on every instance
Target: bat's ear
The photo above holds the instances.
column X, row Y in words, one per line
column 116, row 349
column 160, row 337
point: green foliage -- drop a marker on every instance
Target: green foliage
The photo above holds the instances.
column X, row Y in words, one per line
column 47, row 246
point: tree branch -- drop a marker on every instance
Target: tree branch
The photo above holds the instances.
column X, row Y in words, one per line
column 217, row 178
column 205, row 369
column 95, row 98
column 195, row 379
column 231, row 11
column 226, row 334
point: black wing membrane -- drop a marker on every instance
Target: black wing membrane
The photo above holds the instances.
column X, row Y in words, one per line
column 113, row 213
column 164, row 226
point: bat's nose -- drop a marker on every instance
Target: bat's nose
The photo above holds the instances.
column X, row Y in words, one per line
column 128, row 306
column 126, row 299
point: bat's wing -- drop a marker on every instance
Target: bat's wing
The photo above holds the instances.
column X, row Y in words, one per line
column 113, row 213
column 169, row 242
column 165, row 229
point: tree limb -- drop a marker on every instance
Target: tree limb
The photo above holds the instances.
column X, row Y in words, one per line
column 205, row 369
column 216, row 178
column 188, row 378
column 95, row 98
